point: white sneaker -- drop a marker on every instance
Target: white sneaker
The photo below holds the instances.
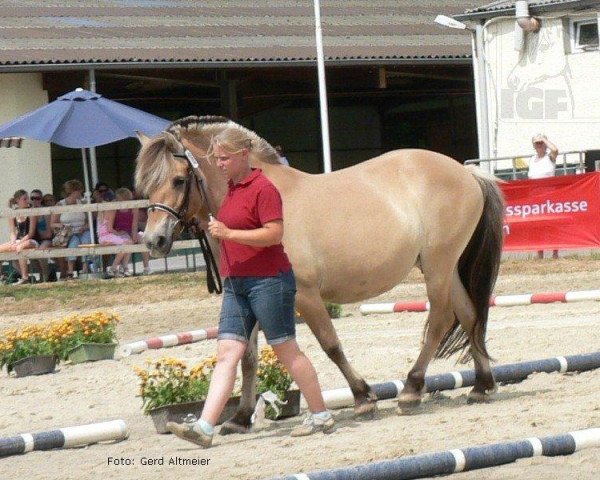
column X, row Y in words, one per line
column 312, row 425
column 147, row 271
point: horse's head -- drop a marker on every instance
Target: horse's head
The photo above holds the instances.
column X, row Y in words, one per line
column 165, row 175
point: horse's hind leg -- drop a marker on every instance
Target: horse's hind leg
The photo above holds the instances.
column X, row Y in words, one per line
column 310, row 306
column 240, row 422
column 438, row 279
column 465, row 312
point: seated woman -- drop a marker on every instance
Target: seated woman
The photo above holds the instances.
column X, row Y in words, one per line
column 128, row 220
column 73, row 192
column 22, row 231
column 109, row 234
column 43, row 233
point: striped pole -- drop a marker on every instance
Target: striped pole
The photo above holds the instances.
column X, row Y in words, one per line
column 515, row 372
column 68, row 437
column 461, row 460
column 167, row 341
column 495, row 301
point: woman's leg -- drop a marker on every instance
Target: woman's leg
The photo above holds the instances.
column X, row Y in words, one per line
column 229, row 354
column 303, row 372
column 24, row 268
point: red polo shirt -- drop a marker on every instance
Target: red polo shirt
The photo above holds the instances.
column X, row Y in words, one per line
column 249, row 205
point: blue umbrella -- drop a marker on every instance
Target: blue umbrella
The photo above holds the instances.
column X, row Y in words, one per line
column 83, row 119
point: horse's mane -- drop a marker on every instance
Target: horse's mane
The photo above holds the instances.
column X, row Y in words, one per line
column 154, row 165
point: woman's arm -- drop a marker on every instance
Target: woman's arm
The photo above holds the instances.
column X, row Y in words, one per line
column 134, row 223
column 553, row 150
column 55, row 221
column 109, row 218
column 32, row 226
column 12, row 225
column 269, row 234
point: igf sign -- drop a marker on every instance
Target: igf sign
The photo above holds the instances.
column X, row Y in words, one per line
column 533, row 103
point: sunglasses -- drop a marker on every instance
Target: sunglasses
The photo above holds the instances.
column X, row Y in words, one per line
column 36, row 198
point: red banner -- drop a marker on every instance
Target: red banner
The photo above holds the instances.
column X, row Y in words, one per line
column 552, row 213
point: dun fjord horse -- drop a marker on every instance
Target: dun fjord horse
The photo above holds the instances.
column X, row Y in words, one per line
column 350, row 235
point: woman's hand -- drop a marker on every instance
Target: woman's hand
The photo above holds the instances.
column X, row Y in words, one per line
column 218, row 230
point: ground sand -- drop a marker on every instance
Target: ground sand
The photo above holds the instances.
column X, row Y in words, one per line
column 381, row 347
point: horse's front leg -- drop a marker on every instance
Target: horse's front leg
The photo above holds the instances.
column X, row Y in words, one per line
column 310, row 305
column 240, row 422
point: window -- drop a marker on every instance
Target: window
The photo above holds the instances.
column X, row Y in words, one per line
column 584, row 35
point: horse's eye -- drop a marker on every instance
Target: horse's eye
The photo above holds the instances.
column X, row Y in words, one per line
column 179, row 182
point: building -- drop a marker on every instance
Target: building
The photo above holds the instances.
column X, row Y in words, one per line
column 394, row 78
column 539, row 78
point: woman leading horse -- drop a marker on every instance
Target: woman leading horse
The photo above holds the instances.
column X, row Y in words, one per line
column 350, row 235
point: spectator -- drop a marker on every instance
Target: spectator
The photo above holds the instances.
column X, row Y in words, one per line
column 22, row 234
column 110, row 234
column 103, row 190
column 43, row 233
column 127, row 220
column 282, row 158
column 543, row 165
column 73, row 193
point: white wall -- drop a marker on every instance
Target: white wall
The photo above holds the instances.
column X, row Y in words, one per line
column 27, row 167
column 543, row 89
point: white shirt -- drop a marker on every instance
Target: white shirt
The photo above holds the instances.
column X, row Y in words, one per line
column 541, row 167
column 75, row 219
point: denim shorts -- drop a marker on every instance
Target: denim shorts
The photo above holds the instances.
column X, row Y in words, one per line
column 266, row 300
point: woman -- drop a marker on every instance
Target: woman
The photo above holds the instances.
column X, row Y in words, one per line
column 109, row 233
column 127, row 220
column 23, row 234
column 543, row 165
column 259, row 286
column 43, row 233
column 72, row 192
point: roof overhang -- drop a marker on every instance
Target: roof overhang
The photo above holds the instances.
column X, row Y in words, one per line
column 534, row 9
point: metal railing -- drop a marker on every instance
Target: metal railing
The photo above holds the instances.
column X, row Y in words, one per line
column 515, row 167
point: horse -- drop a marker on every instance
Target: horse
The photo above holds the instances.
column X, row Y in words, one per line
column 350, row 235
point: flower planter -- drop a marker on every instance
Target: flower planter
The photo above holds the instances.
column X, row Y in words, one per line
column 35, row 365
column 92, row 352
column 179, row 411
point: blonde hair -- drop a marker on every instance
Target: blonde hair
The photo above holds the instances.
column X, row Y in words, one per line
column 71, row 186
column 124, row 192
column 18, row 194
column 232, row 140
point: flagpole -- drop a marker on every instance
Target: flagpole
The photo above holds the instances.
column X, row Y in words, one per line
column 322, row 90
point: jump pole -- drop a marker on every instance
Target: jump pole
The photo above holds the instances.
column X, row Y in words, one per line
column 170, row 340
column 495, row 301
column 513, row 372
column 461, row 460
column 68, row 437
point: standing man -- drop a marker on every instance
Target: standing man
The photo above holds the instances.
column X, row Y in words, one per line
column 543, row 165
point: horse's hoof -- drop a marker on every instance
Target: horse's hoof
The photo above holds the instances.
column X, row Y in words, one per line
column 479, row 397
column 409, row 408
column 366, row 411
column 229, row 428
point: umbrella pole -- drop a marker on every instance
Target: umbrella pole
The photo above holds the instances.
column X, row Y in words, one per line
column 88, row 193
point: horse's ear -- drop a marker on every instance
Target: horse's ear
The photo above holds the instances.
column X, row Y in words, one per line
column 144, row 139
column 172, row 143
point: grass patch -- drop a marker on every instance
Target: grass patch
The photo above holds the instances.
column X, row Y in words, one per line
column 80, row 294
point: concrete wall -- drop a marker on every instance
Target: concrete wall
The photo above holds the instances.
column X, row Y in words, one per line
column 28, row 167
column 542, row 88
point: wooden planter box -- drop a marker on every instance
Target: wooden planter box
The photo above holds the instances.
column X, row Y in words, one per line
column 92, row 352
column 179, row 411
column 35, row 365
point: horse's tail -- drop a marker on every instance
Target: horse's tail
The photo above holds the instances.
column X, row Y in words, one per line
column 478, row 269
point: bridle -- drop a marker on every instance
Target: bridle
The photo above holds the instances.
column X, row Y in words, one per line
column 213, row 279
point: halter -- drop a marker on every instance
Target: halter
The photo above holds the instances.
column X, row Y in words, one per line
column 213, row 279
